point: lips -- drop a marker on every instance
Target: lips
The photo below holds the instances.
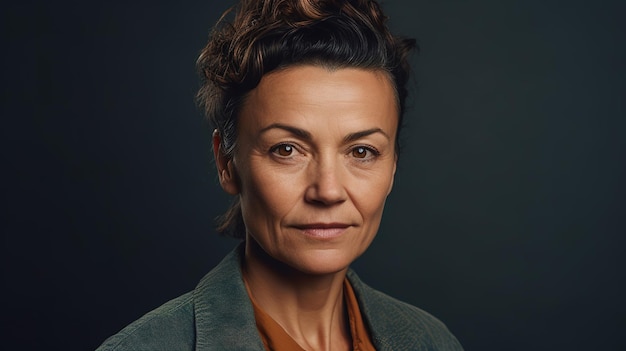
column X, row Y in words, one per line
column 323, row 230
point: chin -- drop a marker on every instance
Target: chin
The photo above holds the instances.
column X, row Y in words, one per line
column 322, row 259
column 320, row 262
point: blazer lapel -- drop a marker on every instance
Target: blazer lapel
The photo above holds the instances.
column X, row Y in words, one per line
column 223, row 313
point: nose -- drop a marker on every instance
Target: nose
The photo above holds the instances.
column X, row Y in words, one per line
column 326, row 185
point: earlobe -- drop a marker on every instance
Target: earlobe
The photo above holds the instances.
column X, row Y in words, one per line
column 228, row 179
column 225, row 168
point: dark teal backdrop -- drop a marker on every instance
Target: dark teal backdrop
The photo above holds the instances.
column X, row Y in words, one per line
column 507, row 217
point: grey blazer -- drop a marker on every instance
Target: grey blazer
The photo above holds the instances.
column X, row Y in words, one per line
column 218, row 315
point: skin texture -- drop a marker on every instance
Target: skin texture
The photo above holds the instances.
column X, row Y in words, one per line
column 314, row 163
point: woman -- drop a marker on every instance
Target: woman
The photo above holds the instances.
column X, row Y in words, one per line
column 307, row 98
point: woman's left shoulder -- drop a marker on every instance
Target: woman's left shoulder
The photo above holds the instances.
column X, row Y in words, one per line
column 399, row 325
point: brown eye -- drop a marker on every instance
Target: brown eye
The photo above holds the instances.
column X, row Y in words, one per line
column 359, row 152
column 284, row 150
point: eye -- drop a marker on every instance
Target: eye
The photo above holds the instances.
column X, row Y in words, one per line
column 283, row 150
column 359, row 152
column 363, row 152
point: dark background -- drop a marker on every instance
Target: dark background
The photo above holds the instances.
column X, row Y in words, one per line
column 506, row 221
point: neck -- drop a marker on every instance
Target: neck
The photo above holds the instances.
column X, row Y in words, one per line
column 309, row 307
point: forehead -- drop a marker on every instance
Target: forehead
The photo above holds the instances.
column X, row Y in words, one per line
column 315, row 94
column 306, row 76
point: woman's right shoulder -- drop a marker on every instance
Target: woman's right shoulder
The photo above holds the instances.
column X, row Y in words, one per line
column 168, row 327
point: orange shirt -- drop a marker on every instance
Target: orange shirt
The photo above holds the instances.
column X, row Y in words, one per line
column 275, row 338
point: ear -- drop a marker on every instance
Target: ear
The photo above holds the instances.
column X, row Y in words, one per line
column 225, row 167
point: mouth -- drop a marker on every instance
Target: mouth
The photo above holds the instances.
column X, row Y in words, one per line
column 323, row 230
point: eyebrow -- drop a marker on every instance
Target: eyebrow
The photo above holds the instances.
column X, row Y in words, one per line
column 300, row 133
column 358, row 135
column 303, row 134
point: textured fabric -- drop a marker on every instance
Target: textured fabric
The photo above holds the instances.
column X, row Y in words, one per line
column 218, row 315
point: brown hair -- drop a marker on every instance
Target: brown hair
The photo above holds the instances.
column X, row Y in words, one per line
column 266, row 35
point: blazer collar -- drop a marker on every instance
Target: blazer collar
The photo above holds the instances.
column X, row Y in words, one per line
column 224, row 316
column 223, row 313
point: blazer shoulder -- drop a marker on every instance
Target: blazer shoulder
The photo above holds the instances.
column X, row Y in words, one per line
column 396, row 324
column 168, row 327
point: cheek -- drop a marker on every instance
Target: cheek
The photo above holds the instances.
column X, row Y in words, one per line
column 370, row 195
column 266, row 195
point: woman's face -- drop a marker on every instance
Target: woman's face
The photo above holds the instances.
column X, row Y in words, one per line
column 314, row 163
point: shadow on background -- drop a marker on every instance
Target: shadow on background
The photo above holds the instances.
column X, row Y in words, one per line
column 506, row 221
